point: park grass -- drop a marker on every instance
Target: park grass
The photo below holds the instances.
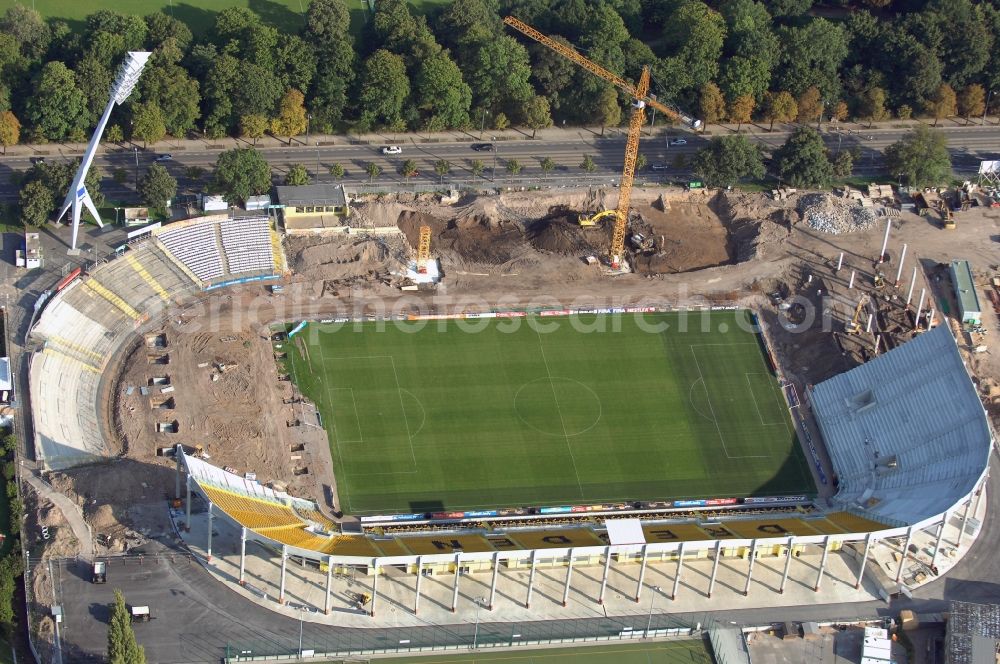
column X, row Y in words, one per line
column 688, row 651
column 286, row 15
column 433, row 417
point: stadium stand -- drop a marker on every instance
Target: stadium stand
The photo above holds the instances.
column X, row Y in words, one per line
column 906, row 432
column 247, row 243
column 220, row 248
column 194, row 244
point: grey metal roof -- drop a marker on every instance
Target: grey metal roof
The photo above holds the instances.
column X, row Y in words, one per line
column 965, row 287
column 312, row 194
column 906, row 432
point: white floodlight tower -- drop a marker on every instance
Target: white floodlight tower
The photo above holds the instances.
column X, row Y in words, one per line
column 78, row 196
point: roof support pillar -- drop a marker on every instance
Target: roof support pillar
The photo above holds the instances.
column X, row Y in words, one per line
column 243, row 554
column 677, row 576
column 869, row 540
column 420, row 574
column 493, row 583
column 753, row 558
column 822, row 563
column 607, row 570
column 569, row 576
column 715, row 566
column 902, row 558
column 788, row 564
column 642, row 573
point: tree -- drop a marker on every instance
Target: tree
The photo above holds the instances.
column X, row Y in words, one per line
column 384, row 88
column 37, row 203
column 297, row 176
column 442, row 97
column 56, row 107
column 608, row 111
column 802, row 160
column 442, row 167
column 711, row 103
column 839, row 112
column 337, row 170
column 157, row 186
column 175, row 92
column 477, row 167
column 253, row 126
column 680, row 162
column 780, row 106
column 114, row 134
column 513, row 167
column 373, row 170
column 694, row 34
column 499, row 73
column 29, row 30
column 640, row 161
column 241, row 173
column 943, row 104
column 843, row 164
column 971, row 101
column 122, row 646
column 408, row 169
column 10, row 130
column 904, row 112
column 728, row 159
column 811, row 55
column 547, row 165
column 119, row 175
column 148, row 124
column 500, row 121
column 741, row 110
column 872, row 105
column 810, row 105
column 922, row 156
column 537, row 114
column 291, row 120
column 588, row 164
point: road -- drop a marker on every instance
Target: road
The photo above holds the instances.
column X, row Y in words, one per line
column 968, row 145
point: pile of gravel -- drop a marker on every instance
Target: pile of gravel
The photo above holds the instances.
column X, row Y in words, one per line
column 827, row 214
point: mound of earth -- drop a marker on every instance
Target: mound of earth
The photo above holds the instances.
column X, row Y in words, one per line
column 561, row 233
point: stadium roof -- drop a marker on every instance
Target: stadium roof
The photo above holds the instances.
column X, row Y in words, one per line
column 907, row 433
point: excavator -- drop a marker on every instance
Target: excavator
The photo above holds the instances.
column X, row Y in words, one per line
column 854, row 326
column 640, row 93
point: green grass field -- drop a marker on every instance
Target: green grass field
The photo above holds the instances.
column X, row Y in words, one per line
column 287, row 15
column 664, row 652
column 444, row 418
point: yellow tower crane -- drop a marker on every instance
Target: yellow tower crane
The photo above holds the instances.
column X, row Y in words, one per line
column 640, row 93
column 424, row 249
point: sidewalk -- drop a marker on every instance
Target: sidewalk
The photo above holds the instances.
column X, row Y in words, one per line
column 550, row 134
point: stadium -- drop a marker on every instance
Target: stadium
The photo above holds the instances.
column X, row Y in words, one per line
column 479, row 442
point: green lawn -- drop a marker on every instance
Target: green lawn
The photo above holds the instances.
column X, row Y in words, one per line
column 287, row 15
column 664, row 652
column 510, row 415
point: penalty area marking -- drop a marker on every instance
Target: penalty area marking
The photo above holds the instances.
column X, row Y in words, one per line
column 754, row 398
column 708, row 396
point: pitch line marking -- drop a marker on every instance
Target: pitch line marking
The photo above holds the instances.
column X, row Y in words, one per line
column 329, row 401
column 708, row 394
column 691, row 398
column 402, row 406
column 562, row 422
column 746, row 374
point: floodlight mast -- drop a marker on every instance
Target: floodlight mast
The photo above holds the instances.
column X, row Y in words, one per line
column 77, row 197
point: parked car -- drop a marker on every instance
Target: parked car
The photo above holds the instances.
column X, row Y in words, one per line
column 392, row 149
column 482, row 147
column 164, row 157
column 659, row 166
column 37, row 160
column 678, row 141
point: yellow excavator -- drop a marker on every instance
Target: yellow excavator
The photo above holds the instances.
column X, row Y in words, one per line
column 854, row 326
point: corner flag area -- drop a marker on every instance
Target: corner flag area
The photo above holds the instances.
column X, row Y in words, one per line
column 446, row 415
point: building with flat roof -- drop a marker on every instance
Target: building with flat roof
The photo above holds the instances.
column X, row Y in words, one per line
column 314, row 208
column 30, row 256
column 965, row 293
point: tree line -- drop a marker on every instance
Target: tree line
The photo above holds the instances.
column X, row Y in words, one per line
column 459, row 67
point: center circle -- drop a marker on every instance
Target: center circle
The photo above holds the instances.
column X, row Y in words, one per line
column 558, row 406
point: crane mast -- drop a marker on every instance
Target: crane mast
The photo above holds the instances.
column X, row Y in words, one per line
column 640, row 93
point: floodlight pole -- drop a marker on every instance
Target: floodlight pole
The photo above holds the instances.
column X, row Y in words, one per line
column 78, row 197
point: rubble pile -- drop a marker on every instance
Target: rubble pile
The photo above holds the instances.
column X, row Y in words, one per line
column 827, row 214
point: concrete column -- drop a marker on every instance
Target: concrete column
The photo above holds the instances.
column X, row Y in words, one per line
column 885, row 240
column 604, row 579
column 715, row 566
column 680, row 566
column 840, row 261
column 753, row 558
column 902, row 559
column 420, row 575
column 979, row 497
column 940, row 536
column 187, row 522
column 642, row 573
column 208, row 548
column 329, row 584
column 458, row 573
column 531, row 580
column 281, row 583
column 864, row 560
column 850, row 284
column 569, row 575
column 374, row 586
column 913, row 282
column 493, row 583
column 177, row 472
column 899, row 270
column 965, row 520
column 822, row 563
column 788, row 565
column 243, row 554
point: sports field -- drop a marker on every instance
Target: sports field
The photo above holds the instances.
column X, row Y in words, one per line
column 548, row 411
column 663, row 652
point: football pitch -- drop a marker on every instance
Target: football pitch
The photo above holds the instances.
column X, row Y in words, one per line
column 448, row 415
column 690, row 651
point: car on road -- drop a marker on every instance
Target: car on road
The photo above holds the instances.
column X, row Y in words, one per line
column 391, row 149
column 37, row 160
column 482, row 147
column 678, row 141
column 659, row 166
column 164, row 157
